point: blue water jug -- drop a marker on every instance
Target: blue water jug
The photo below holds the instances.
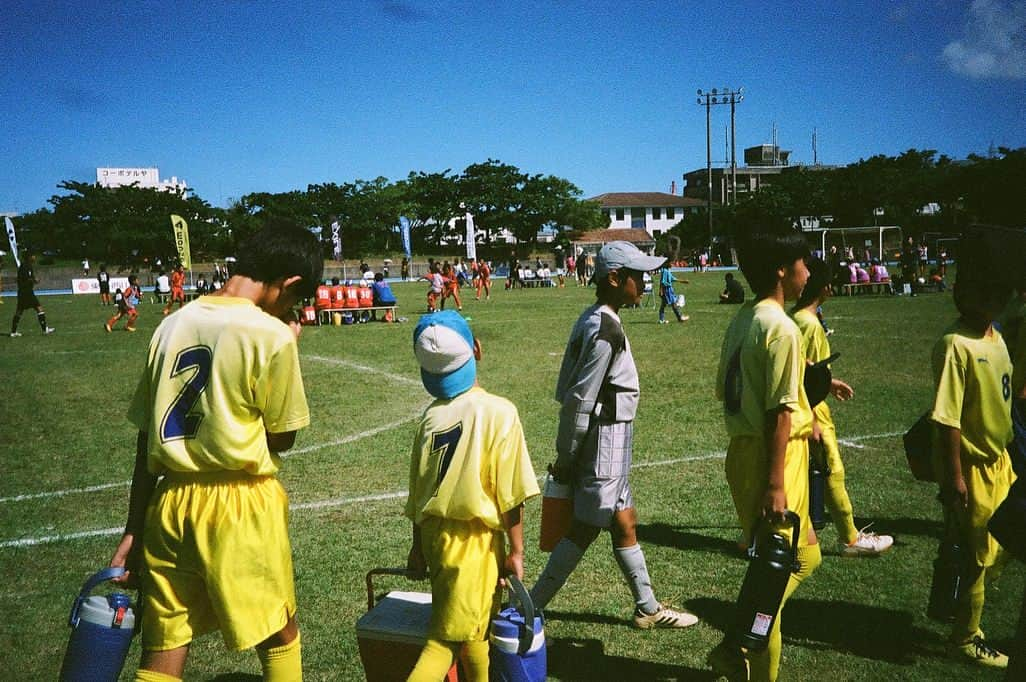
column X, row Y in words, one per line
column 101, row 632
column 518, row 641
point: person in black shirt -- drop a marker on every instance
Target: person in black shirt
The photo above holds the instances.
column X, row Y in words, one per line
column 27, row 297
column 734, row 292
column 104, row 281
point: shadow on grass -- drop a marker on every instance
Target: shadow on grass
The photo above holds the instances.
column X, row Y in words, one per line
column 907, row 526
column 576, row 617
column 867, row 631
column 585, row 659
column 682, row 537
column 237, row 677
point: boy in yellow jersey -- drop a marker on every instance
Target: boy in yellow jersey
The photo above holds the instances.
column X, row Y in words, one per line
column 769, row 421
column 469, row 477
column 973, row 424
column 816, row 348
column 220, row 397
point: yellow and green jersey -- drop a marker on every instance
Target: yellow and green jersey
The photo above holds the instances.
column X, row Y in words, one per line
column 973, row 376
column 469, row 461
column 220, row 375
column 761, row 368
column 815, row 347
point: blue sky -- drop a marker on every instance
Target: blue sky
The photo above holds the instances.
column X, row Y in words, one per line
column 238, row 97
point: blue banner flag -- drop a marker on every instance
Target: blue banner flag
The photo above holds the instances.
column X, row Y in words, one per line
column 404, row 229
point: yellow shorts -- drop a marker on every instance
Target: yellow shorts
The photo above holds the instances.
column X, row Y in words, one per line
column 988, row 484
column 217, row 556
column 747, row 467
column 463, row 558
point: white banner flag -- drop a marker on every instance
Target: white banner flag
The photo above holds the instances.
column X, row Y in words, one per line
column 13, row 240
column 336, row 241
column 471, row 233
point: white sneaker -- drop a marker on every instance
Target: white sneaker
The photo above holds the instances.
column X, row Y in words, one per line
column 664, row 322
column 15, row 335
column 665, row 617
column 867, row 544
column 49, row 330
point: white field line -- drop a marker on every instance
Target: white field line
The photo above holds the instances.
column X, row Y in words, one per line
column 363, row 368
column 342, row 501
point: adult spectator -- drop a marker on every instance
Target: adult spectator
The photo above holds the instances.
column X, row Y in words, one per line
column 163, row 287
column 910, row 264
column 733, row 292
column 104, row 281
column 383, row 296
column 201, row 284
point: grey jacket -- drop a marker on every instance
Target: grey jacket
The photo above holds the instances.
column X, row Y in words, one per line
column 597, row 380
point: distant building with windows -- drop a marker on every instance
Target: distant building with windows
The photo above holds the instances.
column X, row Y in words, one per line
column 144, row 177
column 764, row 163
column 653, row 212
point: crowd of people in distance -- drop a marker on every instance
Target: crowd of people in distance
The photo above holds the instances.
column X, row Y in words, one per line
column 355, row 302
column 852, row 274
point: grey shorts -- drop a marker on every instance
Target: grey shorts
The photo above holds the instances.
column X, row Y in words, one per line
column 600, row 484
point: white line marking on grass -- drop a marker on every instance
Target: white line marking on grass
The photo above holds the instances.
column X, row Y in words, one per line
column 364, row 368
column 341, row 501
column 350, row 439
column 68, row 491
column 851, row 444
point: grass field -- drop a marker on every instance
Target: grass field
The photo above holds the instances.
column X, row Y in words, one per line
column 68, row 450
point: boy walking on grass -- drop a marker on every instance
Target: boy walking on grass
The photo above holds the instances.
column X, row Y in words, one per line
column 816, row 348
column 769, row 421
column 469, row 477
column 207, row 530
column 973, row 424
column 598, row 390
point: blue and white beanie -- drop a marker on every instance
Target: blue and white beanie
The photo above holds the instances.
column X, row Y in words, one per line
column 444, row 346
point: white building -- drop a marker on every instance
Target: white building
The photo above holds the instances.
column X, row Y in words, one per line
column 654, row 212
column 145, row 177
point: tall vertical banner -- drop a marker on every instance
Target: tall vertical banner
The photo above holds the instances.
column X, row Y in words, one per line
column 404, row 232
column 181, row 230
column 12, row 240
column 336, row 240
column 471, row 238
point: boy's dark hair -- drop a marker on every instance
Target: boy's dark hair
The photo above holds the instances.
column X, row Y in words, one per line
column 983, row 284
column 282, row 249
column 761, row 255
column 334, row 281
column 819, row 277
column 379, row 277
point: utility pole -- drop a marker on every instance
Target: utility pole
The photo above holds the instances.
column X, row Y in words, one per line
column 709, row 98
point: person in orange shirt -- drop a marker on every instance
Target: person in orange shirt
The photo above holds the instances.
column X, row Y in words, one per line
column 177, row 289
column 339, row 294
column 451, row 286
column 484, row 280
column 323, row 297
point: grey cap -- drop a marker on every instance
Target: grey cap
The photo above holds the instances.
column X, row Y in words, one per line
column 620, row 255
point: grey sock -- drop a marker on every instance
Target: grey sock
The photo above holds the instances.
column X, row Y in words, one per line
column 635, row 571
column 562, row 562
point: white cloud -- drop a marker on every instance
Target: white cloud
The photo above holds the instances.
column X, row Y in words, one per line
column 994, row 44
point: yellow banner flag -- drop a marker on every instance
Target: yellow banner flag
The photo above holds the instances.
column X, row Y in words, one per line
column 181, row 229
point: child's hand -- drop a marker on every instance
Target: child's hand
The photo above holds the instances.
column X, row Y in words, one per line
column 560, row 474
column 513, row 565
column 127, row 556
column 774, row 505
column 841, row 390
column 956, row 493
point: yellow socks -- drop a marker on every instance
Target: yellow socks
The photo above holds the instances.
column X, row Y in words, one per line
column 475, row 660
column 764, row 665
column 151, row 676
column 435, row 660
column 969, row 610
column 282, row 663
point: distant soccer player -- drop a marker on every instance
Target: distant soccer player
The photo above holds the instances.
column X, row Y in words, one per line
column 469, row 477
column 103, row 279
column 220, row 397
column 27, row 296
column 815, row 348
column 972, row 417
column 434, row 277
column 177, row 289
column 484, row 279
column 598, row 391
column 127, row 305
column 769, row 421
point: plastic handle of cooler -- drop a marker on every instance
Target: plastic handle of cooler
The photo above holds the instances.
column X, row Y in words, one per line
column 381, row 571
column 527, row 607
column 97, row 578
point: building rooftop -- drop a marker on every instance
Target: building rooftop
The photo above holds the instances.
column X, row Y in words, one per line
column 637, row 236
column 642, row 199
